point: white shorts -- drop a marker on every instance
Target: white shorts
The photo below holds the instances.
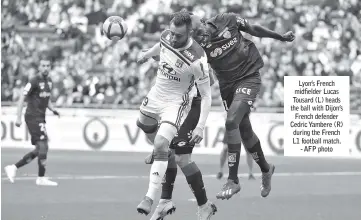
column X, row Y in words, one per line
column 168, row 112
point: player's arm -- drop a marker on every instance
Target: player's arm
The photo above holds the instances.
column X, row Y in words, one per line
column 204, row 87
column 28, row 89
column 147, row 54
column 211, row 76
column 51, row 108
column 260, row 31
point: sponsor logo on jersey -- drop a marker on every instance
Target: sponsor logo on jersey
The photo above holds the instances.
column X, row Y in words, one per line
column 227, row 34
column 50, row 84
column 168, row 71
column 42, row 85
column 44, row 94
column 188, row 54
column 179, row 63
column 208, row 46
column 219, row 50
column 244, row 91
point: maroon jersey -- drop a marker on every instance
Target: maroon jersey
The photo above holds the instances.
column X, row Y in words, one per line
column 230, row 55
column 37, row 92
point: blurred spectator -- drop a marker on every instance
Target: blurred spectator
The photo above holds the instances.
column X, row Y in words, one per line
column 90, row 70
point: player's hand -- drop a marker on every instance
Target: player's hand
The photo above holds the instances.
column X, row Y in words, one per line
column 289, row 36
column 56, row 113
column 197, row 135
column 18, row 122
column 143, row 58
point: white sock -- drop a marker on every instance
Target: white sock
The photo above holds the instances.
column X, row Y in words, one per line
column 155, row 179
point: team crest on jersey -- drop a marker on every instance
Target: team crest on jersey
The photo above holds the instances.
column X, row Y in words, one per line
column 227, row 35
column 179, row 63
column 42, row 85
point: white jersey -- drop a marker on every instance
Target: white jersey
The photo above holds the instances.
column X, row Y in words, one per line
column 178, row 71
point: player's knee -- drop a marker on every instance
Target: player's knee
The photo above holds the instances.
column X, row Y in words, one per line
column 234, row 119
column 231, row 124
column 225, row 149
column 161, row 148
column 42, row 153
column 148, row 129
column 172, row 160
column 183, row 160
column 161, row 143
column 42, row 147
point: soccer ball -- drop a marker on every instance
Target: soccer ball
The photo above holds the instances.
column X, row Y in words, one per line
column 115, row 28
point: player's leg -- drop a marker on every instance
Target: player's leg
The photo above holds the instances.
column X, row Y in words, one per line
column 148, row 122
column 195, row 180
column 222, row 159
column 253, row 145
column 10, row 170
column 165, row 134
column 169, row 178
column 249, row 164
column 166, row 206
column 235, row 114
column 179, row 145
column 34, row 130
column 41, row 143
column 43, row 148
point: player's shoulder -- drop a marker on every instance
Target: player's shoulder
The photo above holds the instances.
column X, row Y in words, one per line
column 223, row 17
column 165, row 36
column 194, row 52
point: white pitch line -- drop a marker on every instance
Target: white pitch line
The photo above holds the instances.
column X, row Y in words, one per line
column 100, row 177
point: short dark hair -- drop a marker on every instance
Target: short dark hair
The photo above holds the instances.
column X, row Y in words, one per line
column 46, row 56
column 181, row 18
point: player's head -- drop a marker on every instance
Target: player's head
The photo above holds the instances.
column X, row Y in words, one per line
column 201, row 32
column 44, row 65
column 180, row 28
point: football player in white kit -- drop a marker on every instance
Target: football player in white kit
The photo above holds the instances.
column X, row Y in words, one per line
column 182, row 63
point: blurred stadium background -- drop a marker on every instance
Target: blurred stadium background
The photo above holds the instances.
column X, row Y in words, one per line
column 90, row 72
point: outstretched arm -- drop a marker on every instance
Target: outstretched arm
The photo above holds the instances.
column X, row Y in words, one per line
column 149, row 53
column 260, row 31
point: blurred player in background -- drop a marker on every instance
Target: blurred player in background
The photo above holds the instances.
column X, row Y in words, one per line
column 223, row 158
column 181, row 149
column 37, row 93
column 237, row 62
column 182, row 64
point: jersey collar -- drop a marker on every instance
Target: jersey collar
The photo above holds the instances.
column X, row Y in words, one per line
column 188, row 45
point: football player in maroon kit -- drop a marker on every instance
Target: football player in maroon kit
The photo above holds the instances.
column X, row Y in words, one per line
column 37, row 93
column 236, row 63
